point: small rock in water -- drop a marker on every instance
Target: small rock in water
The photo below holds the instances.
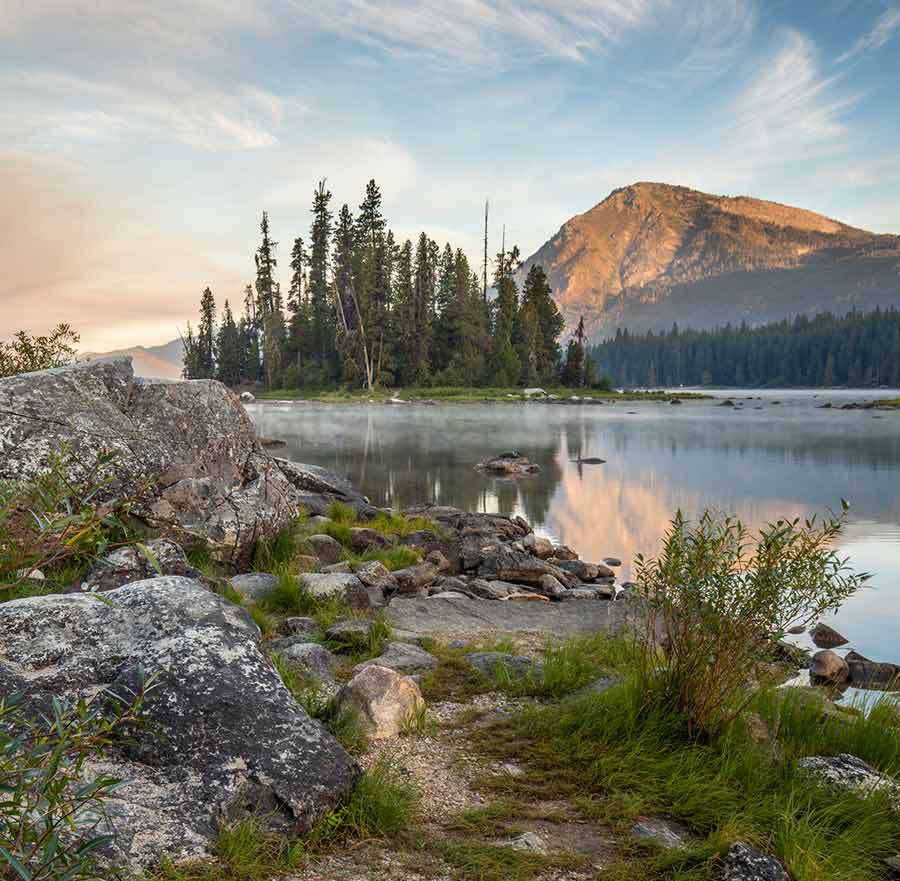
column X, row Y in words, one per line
column 511, row 464
column 796, row 629
column 614, row 562
column 829, row 666
column 826, row 637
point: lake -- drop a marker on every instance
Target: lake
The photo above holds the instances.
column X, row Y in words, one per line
column 776, row 454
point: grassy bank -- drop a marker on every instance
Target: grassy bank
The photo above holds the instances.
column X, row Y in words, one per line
column 893, row 404
column 464, row 395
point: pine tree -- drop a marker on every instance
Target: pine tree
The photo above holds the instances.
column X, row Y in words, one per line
column 228, row 345
column 322, row 313
column 504, row 362
column 573, row 374
column 537, row 294
column 206, row 337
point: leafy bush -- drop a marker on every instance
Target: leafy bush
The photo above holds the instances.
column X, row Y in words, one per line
column 25, row 353
column 52, row 817
column 55, row 523
column 720, row 597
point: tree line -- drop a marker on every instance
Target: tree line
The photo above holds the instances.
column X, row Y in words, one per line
column 363, row 310
column 856, row 350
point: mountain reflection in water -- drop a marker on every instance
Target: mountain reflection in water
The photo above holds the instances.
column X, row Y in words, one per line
column 788, row 459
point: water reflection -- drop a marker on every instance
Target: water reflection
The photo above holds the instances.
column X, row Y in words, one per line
column 790, row 459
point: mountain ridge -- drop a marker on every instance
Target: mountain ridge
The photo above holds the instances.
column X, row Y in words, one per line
column 651, row 254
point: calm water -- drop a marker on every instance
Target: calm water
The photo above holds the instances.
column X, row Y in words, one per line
column 777, row 455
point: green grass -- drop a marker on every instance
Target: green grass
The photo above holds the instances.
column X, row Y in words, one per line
column 459, row 394
column 398, row 557
column 474, row 860
column 797, row 719
column 618, row 756
column 289, row 598
column 891, row 404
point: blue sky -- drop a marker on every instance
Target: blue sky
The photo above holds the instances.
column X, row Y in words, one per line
column 140, row 140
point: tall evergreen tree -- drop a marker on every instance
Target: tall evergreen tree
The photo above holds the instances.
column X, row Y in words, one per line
column 206, row 337
column 536, row 295
column 228, row 346
column 504, row 361
column 322, row 313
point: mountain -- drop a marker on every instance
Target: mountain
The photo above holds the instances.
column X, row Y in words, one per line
column 653, row 254
column 159, row 362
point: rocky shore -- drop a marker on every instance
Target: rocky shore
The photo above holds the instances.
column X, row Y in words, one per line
column 267, row 597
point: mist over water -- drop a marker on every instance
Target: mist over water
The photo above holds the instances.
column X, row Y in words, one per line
column 761, row 460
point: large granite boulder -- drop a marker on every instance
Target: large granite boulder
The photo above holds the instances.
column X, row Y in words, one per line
column 225, row 736
column 187, row 452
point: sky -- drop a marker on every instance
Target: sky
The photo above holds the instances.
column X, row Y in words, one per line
column 140, row 141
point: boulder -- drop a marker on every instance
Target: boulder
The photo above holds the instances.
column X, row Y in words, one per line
column 865, row 673
column 312, row 659
column 336, row 585
column 447, row 595
column 299, row 626
column 384, row 700
column 491, row 590
column 186, row 452
column 448, row 542
column 353, row 633
column 403, row 657
column 829, row 666
column 852, row 774
column 363, row 539
column 414, row 578
column 825, row 637
column 328, row 550
column 253, row 585
column 745, row 863
column 224, row 736
column 340, row 568
column 515, row 666
column 502, row 563
column 375, row 574
column 130, row 563
column 542, row 548
column 247, row 397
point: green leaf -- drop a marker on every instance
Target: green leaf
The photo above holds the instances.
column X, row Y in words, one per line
column 22, row 872
column 151, row 557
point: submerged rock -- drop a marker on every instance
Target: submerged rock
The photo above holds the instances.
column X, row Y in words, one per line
column 829, row 666
column 511, row 464
column 825, row 637
column 225, row 735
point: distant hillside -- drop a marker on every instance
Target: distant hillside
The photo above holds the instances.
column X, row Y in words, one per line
column 653, row 254
column 158, row 362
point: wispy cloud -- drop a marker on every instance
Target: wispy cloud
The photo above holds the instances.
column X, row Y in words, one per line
column 49, row 108
column 790, row 110
column 883, row 30
column 483, row 33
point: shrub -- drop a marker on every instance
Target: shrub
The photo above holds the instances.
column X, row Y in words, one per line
column 25, row 353
column 720, row 597
column 55, row 523
column 44, row 787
